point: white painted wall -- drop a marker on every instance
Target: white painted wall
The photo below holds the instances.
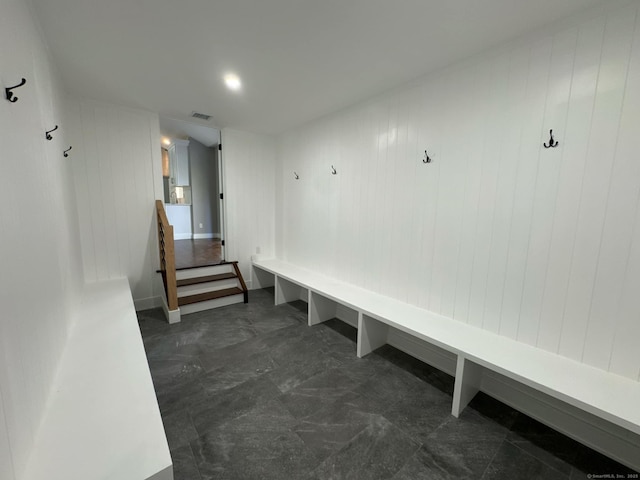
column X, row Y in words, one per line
column 41, row 276
column 249, row 164
column 117, row 173
column 539, row 245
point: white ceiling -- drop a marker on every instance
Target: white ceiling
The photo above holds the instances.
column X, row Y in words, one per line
column 298, row 59
column 173, row 129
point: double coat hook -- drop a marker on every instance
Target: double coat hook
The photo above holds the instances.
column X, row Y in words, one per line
column 296, row 176
column 552, row 143
column 65, row 153
column 9, row 93
column 427, row 158
column 333, row 170
column 47, row 134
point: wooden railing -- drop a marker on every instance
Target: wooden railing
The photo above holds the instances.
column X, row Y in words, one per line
column 243, row 286
column 167, row 256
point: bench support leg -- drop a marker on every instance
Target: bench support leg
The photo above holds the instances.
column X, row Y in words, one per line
column 467, row 384
column 321, row 309
column 286, row 291
column 372, row 334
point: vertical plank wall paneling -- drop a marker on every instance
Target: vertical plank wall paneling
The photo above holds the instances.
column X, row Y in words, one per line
column 249, row 166
column 540, row 245
column 572, row 169
column 41, row 274
column 487, row 291
column 615, row 55
column 477, row 224
column 625, row 356
column 612, row 231
column 527, row 158
column 114, row 157
column 548, row 162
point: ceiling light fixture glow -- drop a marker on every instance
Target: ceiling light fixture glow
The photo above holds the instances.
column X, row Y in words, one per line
column 166, row 141
column 232, row 81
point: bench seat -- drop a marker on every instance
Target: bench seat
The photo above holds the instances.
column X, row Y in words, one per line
column 103, row 420
column 611, row 397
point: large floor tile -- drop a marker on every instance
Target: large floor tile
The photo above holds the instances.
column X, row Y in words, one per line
column 257, row 445
column 250, row 391
column 463, row 447
column 231, row 374
column 336, row 422
column 289, row 375
column 218, row 409
column 179, row 429
column 184, row 464
column 278, row 343
column 179, row 395
column 420, row 468
column 512, row 462
column 378, row 452
column 320, row 389
column 420, row 412
column 389, row 384
column 543, row 443
column 152, row 322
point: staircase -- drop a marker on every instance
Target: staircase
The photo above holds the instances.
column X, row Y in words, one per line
column 204, row 288
column 189, row 290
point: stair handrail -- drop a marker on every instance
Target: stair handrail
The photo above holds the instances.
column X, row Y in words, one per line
column 166, row 249
column 243, row 286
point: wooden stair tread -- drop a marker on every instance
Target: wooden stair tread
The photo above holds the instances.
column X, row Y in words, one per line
column 201, row 297
column 206, row 278
column 204, row 265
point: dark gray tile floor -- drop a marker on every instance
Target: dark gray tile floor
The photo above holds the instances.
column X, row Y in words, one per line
column 251, row 392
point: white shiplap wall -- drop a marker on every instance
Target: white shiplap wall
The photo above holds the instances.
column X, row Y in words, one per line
column 249, row 163
column 40, row 275
column 540, row 245
column 116, row 160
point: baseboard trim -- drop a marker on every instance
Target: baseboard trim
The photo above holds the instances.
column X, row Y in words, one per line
column 172, row 316
column 611, row 440
column 182, row 236
column 198, row 236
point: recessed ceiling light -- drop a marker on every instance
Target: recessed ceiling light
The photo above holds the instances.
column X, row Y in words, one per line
column 166, row 141
column 232, row 81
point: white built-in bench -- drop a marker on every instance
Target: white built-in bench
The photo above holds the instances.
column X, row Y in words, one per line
column 103, row 420
column 478, row 353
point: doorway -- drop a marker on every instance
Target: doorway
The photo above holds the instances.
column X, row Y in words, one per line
column 192, row 180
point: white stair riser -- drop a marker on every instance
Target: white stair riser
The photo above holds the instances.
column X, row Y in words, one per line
column 204, row 271
column 210, row 304
column 187, row 290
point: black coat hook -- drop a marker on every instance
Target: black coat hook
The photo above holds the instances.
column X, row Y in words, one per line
column 296, row 175
column 333, row 170
column 48, row 134
column 65, row 154
column 552, row 144
column 9, row 93
column 427, row 158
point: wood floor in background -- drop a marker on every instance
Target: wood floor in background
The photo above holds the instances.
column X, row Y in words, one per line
column 198, row 253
